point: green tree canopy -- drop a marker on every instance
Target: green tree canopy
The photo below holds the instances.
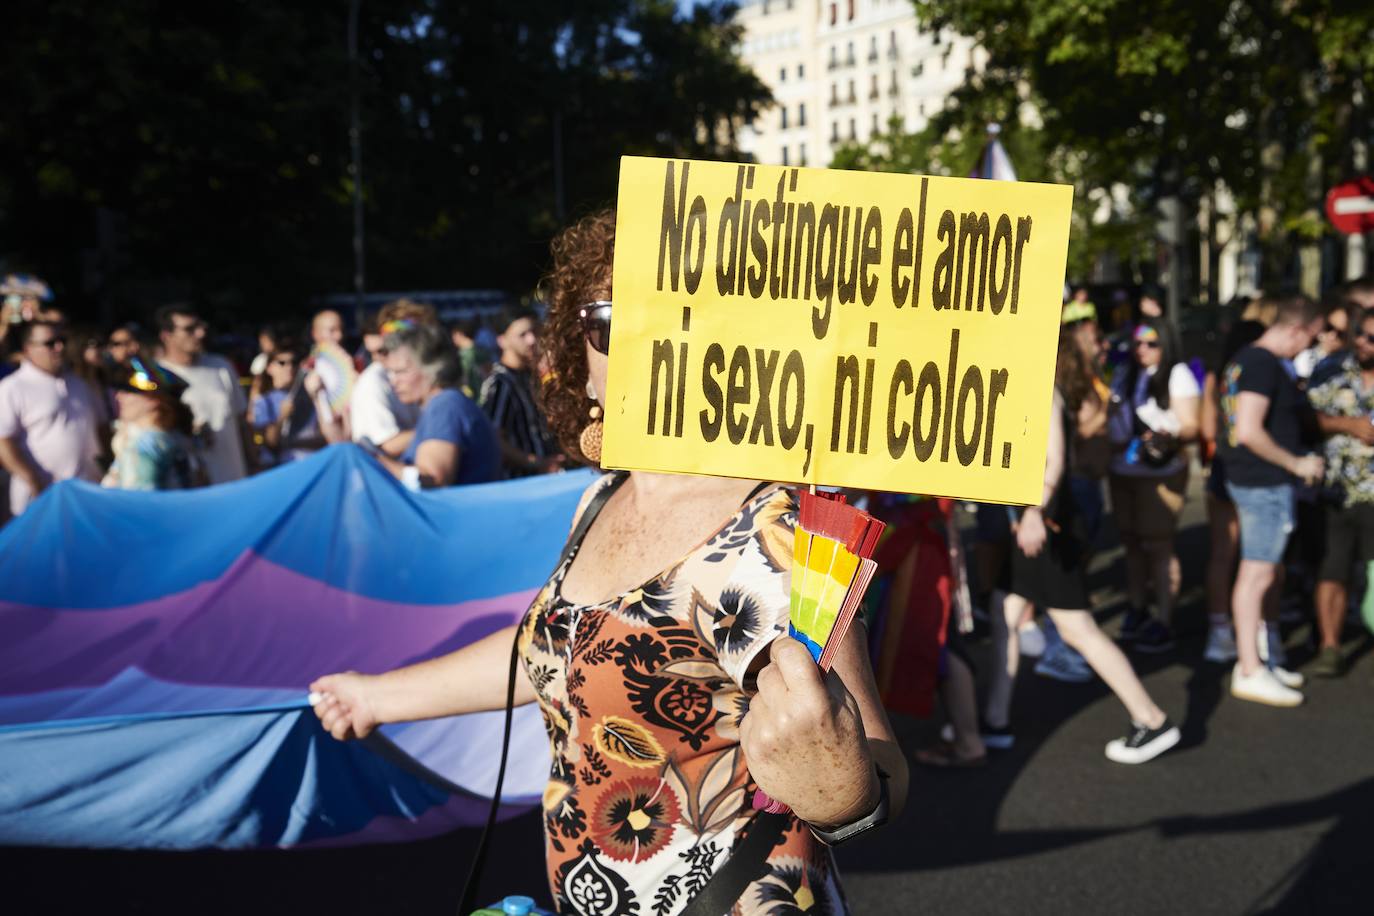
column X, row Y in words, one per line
column 203, row 148
column 1173, row 98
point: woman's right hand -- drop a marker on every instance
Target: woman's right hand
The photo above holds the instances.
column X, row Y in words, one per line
column 345, row 705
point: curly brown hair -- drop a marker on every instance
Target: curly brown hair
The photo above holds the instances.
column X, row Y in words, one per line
column 581, row 273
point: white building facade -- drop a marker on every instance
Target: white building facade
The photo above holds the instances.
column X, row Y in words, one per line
column 841, row 70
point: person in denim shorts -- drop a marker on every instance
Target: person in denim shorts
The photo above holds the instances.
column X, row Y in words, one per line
column 1263, row 413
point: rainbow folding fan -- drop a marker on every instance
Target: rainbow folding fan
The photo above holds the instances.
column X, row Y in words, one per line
column 831, row 569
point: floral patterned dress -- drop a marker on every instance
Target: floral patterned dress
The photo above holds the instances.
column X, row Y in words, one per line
column 643, row 696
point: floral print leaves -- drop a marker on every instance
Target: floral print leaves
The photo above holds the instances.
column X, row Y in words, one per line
column 791, row 889
column 562, row 811
column 591, row 889
column 731, row 703
column 652, row 603
column 693, row 669
column 738, row 621
column 776, row 520
column 634, row 819
column 625, row 741
column 713, row 800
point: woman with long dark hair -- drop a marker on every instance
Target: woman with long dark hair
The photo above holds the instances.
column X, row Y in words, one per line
column 1049, row 569
column 1154, row 415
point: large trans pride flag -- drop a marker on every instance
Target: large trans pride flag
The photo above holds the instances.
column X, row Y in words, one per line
column 155, row 651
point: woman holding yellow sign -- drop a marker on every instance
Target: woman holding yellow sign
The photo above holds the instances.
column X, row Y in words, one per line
column 672, row 699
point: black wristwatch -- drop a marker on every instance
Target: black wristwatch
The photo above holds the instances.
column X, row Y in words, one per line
column 876, row 818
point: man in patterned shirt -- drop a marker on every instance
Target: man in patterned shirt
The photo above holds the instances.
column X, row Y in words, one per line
column 1345, row 406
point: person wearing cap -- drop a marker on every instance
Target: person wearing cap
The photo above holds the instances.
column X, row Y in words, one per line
column 151, row 442
column 51, row 423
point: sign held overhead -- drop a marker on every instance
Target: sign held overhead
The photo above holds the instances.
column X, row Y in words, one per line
column 882, row 331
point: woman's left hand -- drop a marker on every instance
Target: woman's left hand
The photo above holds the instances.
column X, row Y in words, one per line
column 804, row 740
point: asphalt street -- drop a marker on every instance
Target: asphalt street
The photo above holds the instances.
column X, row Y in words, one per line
column 1259, row 810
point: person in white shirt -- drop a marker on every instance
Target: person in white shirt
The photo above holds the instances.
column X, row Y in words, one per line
column 375, row 412
column 214, row 394
column 51, row 422
column 1154, row 415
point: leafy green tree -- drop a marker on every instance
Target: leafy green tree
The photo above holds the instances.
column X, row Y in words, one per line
column 151, row 151
column 1171, row 99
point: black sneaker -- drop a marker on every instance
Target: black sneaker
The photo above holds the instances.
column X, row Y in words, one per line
column 1143, row 744
column 997, row 739
column 1131, row 623
column 1154, row 637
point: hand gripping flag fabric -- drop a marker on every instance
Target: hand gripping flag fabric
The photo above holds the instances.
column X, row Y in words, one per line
column 155, row 652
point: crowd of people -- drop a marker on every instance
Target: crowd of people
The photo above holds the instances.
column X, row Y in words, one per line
column 159, row 411
column 1281, row 421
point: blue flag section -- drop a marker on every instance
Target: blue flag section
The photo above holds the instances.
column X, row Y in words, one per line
column 155, row 652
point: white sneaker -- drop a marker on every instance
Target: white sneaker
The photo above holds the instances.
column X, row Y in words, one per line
column 1032, row 640
column 1221, row 646
column 1263, row 687
column 1287, row 678
column 1271, row 650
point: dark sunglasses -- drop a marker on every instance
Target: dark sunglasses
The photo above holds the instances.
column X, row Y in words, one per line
column 596, row 325
column 284, row 361
column 1148, row 344
column 51, row 344
column 120, row 343
column 1367, row 338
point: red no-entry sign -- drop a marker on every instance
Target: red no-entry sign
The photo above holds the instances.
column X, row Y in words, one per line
column 1350, row 206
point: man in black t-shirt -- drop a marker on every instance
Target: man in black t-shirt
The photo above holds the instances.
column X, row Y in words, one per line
column 1262, row 448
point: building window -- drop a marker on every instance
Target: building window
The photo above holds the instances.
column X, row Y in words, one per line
column 873, row 86
column 849, row 53
column 784, row 155
column 834, row 56
column 850, row 18
column 801, row 154
column 852, row 96
column 801, row 114
column 784, row 117
column 833, row 13
column 782, row 75
column 873, row 48
column 801, row 71
column 853, row 131
column 834, row 131
column 920, row 68
column 873, row 128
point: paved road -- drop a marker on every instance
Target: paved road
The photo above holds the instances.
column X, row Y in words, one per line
column 1258, row 811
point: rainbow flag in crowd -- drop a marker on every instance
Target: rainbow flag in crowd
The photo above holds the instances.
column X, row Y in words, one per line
column 155, row 652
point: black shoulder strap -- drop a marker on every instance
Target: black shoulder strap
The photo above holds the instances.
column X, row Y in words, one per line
column 748, row 863
column 467, row 902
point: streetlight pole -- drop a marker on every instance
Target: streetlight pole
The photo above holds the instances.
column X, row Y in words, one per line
column 355, row 137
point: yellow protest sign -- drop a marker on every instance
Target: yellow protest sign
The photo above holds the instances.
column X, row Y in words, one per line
column 889, row 332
